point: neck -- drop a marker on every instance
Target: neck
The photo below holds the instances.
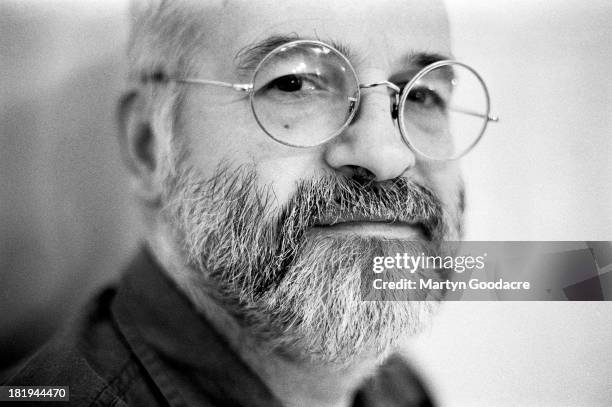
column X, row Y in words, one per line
column 295, row 383
column 301, row 384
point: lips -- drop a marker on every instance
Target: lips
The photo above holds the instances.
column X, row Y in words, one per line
column 356, row 219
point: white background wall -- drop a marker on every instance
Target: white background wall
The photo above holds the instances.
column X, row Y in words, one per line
column 544, row 172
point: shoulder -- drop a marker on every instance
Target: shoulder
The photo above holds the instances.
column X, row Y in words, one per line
column 88, row 355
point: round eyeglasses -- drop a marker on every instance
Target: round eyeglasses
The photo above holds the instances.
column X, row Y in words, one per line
column 305, row 93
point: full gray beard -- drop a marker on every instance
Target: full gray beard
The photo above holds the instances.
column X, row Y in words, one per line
column 298, row 293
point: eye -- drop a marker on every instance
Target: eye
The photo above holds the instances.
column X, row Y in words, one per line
column 426, row 97
column 290, row 83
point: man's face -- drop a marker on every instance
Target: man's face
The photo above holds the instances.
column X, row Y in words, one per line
column 285, row 232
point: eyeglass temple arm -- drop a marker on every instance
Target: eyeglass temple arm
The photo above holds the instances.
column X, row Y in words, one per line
column 473, row 113
column 243, row 87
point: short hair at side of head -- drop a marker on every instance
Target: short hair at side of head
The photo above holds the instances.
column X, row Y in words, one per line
column 164, row 38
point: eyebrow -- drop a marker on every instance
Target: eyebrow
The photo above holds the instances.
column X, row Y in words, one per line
column 251, row 55
column 422, row 59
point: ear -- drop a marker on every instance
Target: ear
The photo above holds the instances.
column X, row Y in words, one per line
column 137, row 143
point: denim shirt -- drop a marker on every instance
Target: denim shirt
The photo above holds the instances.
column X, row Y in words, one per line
column 141, row 343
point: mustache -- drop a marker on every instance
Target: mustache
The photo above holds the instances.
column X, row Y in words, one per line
column 330, row 200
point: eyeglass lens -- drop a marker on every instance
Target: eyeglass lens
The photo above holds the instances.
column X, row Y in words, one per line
column 445, row 111
column 302, row 94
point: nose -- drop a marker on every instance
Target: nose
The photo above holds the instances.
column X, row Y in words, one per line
column 371, row 147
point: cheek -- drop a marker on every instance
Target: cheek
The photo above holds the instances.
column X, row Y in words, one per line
column 215, row 136
column 283, row 171
column 221, row 133
column 209, row 134
column 444, row 179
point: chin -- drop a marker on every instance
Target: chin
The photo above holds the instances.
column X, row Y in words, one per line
column 317, row 314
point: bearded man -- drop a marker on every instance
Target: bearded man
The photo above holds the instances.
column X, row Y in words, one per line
column 276, row 148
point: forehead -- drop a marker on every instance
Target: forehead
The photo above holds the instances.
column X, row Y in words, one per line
column 381, row 32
